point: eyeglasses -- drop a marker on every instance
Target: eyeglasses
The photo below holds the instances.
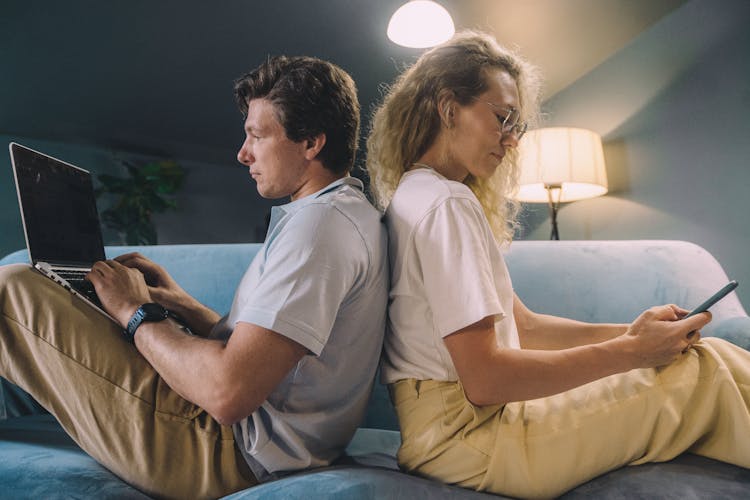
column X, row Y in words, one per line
column 508, row 118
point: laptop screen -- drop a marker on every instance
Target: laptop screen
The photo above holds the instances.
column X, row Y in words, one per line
column 58, row 209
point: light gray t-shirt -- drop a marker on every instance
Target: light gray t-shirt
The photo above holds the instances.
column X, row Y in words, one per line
column 320, row 279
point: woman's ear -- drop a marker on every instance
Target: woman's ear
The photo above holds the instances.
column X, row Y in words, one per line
column 446, row 107
column 314, row 145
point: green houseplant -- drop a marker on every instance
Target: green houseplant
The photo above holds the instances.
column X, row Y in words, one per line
column 148, row 189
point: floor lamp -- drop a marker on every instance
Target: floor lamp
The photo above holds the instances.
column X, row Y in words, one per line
column 559, row 165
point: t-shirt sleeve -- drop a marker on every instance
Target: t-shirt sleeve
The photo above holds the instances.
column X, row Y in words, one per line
column 309, row 270
column 452, row 245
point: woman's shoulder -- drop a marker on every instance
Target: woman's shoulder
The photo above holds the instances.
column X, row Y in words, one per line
column 423, row 189
column 425, row 198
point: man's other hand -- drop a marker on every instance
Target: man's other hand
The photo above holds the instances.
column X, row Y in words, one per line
column 161, row 286
column 121, row 289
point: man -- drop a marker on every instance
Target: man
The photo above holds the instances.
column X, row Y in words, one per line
column 277, row 385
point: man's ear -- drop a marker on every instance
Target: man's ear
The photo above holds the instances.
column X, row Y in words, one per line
column 313, row 145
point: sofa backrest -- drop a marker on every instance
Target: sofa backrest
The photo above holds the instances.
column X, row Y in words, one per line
column 605, row 281
column 210, row 273
column 599, row 281
column 614, row 281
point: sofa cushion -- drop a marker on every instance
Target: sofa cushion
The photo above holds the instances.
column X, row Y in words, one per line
column 38, row 460
column 687, row 476
column 352, row 482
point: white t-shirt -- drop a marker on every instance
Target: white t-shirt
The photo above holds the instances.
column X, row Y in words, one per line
column 447, row 272
column 320, row 279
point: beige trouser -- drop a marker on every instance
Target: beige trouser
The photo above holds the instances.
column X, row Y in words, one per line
column 544, row 447
column 76, row 363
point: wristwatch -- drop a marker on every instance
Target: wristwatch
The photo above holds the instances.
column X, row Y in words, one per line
column 151, row 312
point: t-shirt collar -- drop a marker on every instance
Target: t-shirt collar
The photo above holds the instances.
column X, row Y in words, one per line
column 280, row 211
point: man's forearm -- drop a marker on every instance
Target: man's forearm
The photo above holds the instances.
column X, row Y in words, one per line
column 227, row 379
column 187, row 364
column 196, row 316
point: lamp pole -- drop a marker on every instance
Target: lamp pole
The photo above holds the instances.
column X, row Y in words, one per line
column 554, row 193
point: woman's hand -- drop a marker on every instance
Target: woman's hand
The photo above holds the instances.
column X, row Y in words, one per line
column 659, row 335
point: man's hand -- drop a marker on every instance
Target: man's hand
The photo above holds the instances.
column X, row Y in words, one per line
column 121, row 289
column 165, row 290
column 162, row 288
column 659, row 335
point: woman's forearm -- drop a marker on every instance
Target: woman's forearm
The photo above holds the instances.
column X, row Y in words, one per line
column 554, row 333
column 491, row 374
column 545, row 332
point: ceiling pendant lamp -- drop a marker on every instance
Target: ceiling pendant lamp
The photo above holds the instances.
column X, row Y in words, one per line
column 420, row 24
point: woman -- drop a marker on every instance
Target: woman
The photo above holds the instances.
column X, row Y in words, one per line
column 489, row 394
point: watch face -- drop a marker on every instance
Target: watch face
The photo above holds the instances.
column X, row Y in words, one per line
column 153, row 312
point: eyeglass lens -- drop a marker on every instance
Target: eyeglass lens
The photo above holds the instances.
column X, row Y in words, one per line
column 512, row 123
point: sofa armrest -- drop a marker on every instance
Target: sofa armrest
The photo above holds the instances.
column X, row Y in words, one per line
column 735, row 330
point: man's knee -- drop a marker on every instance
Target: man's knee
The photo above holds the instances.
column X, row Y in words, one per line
column 21, row 287
column 13, row 271
column 13, row 276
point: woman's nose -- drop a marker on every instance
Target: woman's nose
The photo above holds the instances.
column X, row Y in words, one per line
column 509, row 139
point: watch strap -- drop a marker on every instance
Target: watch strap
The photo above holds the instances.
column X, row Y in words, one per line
column 149, row 312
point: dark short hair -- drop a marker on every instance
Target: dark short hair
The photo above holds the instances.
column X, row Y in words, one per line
column 311, row 97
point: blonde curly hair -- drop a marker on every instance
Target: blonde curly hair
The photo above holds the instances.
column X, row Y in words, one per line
column 407, row 122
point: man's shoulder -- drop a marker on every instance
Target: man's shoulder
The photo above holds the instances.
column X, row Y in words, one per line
column 341, row 212
column 342, row 223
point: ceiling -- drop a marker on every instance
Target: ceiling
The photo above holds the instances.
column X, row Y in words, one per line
column 155, row 77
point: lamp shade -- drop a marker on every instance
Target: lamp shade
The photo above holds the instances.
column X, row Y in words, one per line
column 569, row 158
column 420, row 24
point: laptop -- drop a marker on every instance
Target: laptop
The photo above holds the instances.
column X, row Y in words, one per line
column 60, row 220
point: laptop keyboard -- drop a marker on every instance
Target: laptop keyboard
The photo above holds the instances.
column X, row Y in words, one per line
column 77, row 280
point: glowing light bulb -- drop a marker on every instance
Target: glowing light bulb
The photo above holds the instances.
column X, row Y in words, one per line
column 420, row 24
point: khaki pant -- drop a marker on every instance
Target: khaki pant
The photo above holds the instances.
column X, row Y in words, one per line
column 76, row 363
column 544, row 447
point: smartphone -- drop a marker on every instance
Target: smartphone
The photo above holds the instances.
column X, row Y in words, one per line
column 714, row 299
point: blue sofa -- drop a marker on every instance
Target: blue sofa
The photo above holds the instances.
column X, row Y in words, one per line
column 590, row 281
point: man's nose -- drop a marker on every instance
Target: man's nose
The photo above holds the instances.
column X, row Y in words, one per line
column 244, row 155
